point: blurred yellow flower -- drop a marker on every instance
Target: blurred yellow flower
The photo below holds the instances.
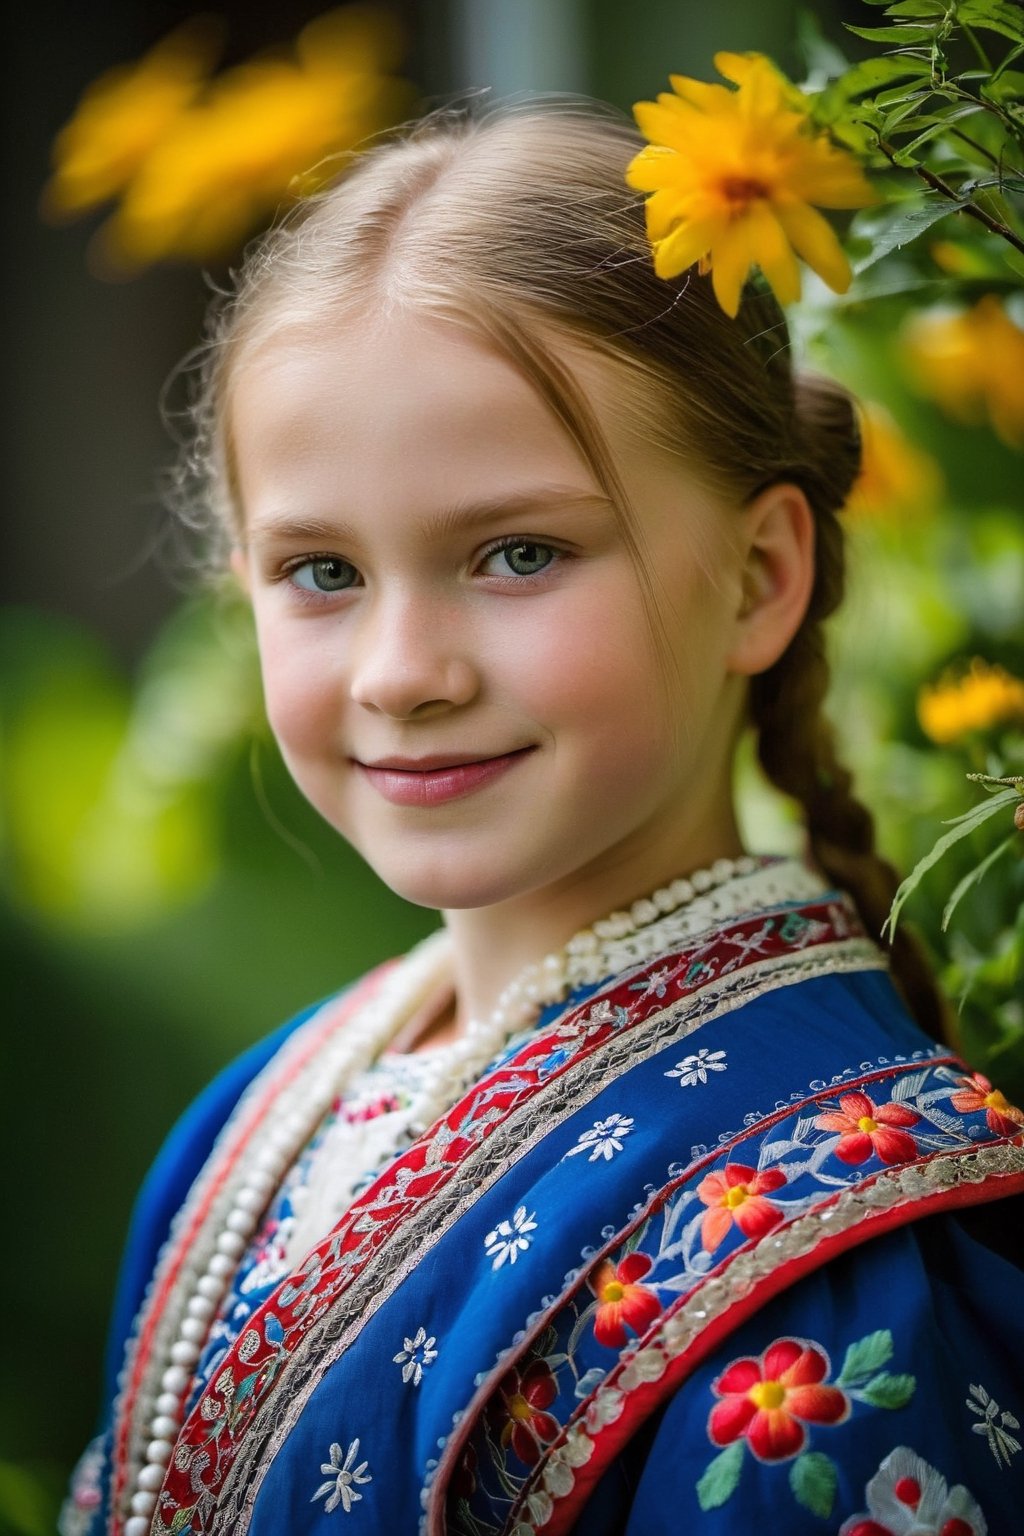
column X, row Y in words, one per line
column 257, row 136
column 732, row 176
column 986, row 696
column 896, row 475
column 122, row 116
column 972, row 364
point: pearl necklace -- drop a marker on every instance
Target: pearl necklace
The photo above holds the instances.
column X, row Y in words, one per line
column 608, row 946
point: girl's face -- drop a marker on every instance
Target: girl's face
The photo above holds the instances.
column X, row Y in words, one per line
column 457, row 660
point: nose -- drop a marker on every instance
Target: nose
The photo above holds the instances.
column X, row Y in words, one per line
column 411, row 658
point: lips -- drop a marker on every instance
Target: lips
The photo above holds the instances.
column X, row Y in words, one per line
column 433, row 780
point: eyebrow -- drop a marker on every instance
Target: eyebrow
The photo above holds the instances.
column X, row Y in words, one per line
column 445, row 521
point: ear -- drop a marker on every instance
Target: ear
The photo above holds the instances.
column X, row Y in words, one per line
column 776, row 578
column 239, row 563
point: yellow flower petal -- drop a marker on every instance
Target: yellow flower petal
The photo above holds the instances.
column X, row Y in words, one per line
column 770, row 249
column 814, row 239
column 747, row 164
column 681, row 248
column 731, row 261
column 699, row 94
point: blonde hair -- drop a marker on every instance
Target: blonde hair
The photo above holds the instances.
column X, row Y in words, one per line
column 516, row 222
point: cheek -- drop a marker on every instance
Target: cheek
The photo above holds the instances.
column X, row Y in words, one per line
column 296, row 691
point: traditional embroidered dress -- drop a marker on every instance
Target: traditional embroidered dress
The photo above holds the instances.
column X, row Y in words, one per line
column 723, row 1243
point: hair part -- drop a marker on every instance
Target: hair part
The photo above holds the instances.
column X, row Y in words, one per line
column 515, row 221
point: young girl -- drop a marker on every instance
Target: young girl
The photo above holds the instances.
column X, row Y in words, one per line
column 636, row 1200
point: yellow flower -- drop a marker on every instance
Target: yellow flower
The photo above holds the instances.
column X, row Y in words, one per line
column 203, row 176
column 896, row 475
column 122, row 116
column 972, row 364
column 733, row 175
column 984, row 697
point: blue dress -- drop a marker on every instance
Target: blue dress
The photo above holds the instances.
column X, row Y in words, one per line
column 725, row 1243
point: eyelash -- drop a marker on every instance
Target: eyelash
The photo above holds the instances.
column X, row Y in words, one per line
column 511, row 578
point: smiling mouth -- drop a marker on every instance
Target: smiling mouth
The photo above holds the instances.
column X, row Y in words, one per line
column 425, row 781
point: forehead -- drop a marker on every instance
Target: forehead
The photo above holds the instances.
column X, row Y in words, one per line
column 411, row 400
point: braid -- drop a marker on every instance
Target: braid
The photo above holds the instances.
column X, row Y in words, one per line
column 797, row 750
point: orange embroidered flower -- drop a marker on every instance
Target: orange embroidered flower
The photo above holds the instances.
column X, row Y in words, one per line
column 976, row 1092
column 621, row 1302
column 865, row 1128
column 770, row 1400
column 737, row 1195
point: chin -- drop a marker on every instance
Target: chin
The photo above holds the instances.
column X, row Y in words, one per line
column 445, row 889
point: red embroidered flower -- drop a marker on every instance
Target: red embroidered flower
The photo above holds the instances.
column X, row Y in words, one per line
column 621, row 1302
column 523, row 1401
column 976, row 1092
column 865, row 1127
column 771, row 1399
column 737, row 1195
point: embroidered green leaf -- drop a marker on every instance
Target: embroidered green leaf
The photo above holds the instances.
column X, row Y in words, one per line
column 720, row 1477
column 813, row 1480
column 887, row 1391
column 182, row 1519
column 865, row 1357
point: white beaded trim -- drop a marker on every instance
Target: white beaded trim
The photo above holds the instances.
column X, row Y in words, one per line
column 614, row 943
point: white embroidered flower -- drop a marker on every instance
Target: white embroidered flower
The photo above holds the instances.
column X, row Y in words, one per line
column 342, row 1479
column 655, row 984
column 695, row 1069
column 995, row 1425
column 510, row 1238
column 604, row 1138
column 907, row 1497
column 416, row 1355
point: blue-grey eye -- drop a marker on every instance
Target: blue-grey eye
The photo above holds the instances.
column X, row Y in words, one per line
column 328, row 574
column 524, row 558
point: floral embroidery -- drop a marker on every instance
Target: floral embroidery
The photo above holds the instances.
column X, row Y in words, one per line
column 976, row 1092
column 865, row 1128
column 695, row 1069
column 604, row 1138
column 771, row 1400
column 520, row 1410
column 767, row 1403
column 654, row 985
column 510, row 1238
column 621, row 1302
column 415, row 1356
column 342, row 1479
column 737, row 1194
column 995, row 1425
column 906, row 1496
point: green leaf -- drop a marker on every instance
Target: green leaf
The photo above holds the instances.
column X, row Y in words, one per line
column 718, row 1482
column 869, row 75
column 887, row 1391
column 897, row 225
column 904, row 155
column 973, row 876
column 993, row 16
column 865, row 1357
column 918, row 8
column 813, row 1480
column 962, row 827
column 897, row 35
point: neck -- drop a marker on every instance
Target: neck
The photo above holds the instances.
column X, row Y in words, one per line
column 493, row 945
